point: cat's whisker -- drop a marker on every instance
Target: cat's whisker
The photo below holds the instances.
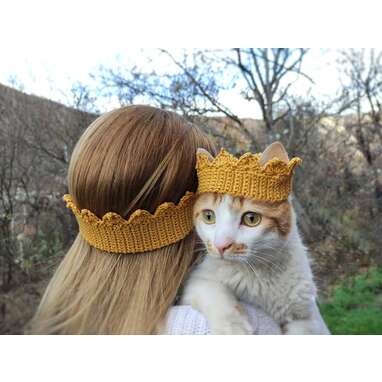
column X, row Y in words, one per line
column 268, row 245
column 273, row 258
column 266, row 260
column 246, row 260
column 272, row 251
column 276, row 249
column 271, row 266
column 254, row 271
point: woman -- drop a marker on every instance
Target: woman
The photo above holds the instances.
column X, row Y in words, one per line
column 131, row 159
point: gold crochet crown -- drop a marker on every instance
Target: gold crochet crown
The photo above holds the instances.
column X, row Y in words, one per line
column 245, row 176
column 141, row 232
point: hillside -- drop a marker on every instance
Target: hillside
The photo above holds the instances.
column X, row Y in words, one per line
column 17, row 106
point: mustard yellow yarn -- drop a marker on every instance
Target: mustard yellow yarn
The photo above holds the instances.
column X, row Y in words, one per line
column 245, row 176
column 141, row 232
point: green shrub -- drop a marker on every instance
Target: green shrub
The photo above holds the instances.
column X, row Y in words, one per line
column 355, row 306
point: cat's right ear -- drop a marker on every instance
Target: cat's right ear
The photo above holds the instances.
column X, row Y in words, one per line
column 274, row 150
column 205, row 152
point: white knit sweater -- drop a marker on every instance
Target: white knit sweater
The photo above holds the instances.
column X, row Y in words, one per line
column 183, row 319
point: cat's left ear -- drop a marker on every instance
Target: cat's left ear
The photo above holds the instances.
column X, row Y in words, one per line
column 274, row 150
column 205, row 152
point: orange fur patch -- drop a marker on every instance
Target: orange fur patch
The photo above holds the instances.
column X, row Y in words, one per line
column 239, row 248
column 275, row 215
column 206, row 201
column 209, row 246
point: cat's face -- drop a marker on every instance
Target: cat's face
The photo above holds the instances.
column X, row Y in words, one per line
column 241, row 229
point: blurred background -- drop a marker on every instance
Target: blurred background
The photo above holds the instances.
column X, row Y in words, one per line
column 324, row 105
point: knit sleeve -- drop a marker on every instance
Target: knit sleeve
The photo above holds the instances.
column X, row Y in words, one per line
column 183, row 319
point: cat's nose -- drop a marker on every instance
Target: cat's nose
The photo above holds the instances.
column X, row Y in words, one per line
column 222, row 247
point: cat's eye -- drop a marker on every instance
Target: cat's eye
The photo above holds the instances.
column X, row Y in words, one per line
column 251, row 219
column 208, row 216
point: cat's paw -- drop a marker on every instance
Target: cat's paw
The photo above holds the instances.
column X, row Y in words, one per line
column 234, row 323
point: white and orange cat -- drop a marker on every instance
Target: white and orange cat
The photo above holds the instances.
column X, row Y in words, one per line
column 254, row 254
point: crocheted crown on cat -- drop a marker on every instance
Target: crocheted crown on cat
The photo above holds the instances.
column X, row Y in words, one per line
column 245, row 176
column 142, row 231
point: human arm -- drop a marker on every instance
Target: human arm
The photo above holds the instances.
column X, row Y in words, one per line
column 183, row 319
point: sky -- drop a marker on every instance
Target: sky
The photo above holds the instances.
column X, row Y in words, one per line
column 61, row 45
column 50, row 74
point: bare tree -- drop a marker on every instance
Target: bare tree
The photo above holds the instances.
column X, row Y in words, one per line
column 195, row 84
column 8, row 180
column 265, row 71
column 82, row 98
column 192, row 88
column 362, row 72
column 13, row 176
column 36, row 140
column 195, row 93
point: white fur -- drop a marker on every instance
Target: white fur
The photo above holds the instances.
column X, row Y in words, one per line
column 281, row 283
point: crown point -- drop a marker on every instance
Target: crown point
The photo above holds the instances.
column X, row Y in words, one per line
column 271, row 181
column 112, row 233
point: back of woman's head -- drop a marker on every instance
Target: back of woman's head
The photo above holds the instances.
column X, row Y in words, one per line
column 136, row 157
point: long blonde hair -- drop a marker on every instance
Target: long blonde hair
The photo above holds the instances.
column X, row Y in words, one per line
column 133, row 157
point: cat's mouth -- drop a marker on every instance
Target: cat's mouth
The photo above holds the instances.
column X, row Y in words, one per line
column 235, row 257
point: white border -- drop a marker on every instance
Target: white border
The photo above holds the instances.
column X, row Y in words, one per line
column 200, row 23
column 187, row 358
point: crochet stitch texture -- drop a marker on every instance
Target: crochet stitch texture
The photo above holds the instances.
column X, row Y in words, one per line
column 141, row 232
column 245, row 176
